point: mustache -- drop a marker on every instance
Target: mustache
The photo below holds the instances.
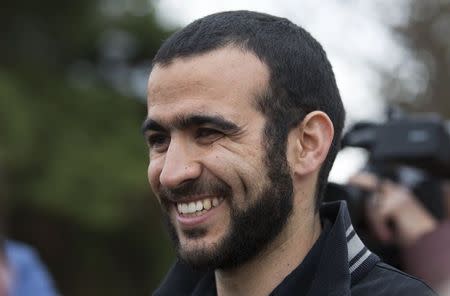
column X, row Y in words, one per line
column 194, row 187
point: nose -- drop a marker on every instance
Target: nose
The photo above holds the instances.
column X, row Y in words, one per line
column 180, row 164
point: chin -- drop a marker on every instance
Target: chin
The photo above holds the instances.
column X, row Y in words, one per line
column 196, row 241
column 199, row 257
column 200, row 251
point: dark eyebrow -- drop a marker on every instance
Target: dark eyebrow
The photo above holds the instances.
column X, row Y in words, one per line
column 214, row 120
column 184, row 122
column 150, row 124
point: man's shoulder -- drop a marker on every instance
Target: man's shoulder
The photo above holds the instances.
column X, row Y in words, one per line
column 384, row 279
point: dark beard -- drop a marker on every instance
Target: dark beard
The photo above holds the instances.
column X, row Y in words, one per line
column 251, row 229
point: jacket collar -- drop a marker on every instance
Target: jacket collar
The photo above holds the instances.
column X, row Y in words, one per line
column 343, row 262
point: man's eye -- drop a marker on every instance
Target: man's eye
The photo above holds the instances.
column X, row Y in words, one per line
column 158, row 141
column 208, row 134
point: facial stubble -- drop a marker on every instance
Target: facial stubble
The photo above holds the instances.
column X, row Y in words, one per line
column 251, row 229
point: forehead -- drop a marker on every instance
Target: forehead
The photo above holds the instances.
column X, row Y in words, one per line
column 223, row 80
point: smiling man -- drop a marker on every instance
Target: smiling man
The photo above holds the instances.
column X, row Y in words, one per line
column 243, row 125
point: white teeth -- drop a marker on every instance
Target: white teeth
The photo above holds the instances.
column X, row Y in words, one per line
column 192, row 207
column 198, row 207
column 207, row 204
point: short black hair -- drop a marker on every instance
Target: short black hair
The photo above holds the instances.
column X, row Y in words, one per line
column 301, row 77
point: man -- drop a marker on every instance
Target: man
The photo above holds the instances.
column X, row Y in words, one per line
column 423, row 244
column 243, row 125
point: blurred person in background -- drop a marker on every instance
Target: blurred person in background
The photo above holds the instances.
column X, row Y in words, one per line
column 26, row 274
column 4, row 274
column 243, row 125
column 397, row 217
column 21, row 271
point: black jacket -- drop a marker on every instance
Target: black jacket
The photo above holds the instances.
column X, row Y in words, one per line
column 338, row 264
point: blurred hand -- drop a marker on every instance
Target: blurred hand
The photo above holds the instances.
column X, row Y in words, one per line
column 393, row 212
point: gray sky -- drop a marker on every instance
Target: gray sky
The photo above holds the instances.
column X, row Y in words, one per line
column 355, row 35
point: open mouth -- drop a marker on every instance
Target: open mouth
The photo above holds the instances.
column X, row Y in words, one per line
column 198, row 207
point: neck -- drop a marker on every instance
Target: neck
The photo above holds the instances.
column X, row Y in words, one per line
column 265, row 272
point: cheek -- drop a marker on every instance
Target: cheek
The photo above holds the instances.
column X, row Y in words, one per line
column 242, row 172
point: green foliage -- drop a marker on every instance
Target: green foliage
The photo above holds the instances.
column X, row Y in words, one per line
column 77, row 152
column 72, row 159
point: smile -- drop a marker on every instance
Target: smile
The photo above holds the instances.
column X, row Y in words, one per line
column 198, row 207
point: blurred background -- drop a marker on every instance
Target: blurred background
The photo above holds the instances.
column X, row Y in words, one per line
column 73, row 80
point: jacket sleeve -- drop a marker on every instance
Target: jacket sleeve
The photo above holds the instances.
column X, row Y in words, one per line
column 429, row 257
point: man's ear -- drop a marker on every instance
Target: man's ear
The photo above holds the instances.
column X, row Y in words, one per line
column 311, row 141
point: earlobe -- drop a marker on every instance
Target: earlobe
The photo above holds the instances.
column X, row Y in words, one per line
column 313, row 138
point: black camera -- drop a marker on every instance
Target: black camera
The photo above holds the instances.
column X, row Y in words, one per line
column 412, row 150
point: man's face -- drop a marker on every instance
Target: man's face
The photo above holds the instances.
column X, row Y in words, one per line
column 208, row 163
